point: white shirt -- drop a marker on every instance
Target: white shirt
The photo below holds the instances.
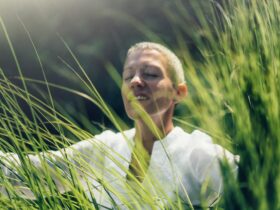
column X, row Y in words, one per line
column 182, row 165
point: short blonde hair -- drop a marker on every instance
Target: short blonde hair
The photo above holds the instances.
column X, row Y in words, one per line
column 175, row 66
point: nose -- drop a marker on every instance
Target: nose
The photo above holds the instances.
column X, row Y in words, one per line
column 136, row 81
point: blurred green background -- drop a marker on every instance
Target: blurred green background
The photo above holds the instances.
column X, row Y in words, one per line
column 230, row 53
column 98, row 32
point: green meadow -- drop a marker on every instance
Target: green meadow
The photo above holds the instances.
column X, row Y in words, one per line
column 232, row 71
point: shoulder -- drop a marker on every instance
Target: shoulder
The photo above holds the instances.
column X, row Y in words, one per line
column 186, row 147
column 205, row 159
column 198, row 136
column 105, row 139
column 204, row 151
column 199, row 143
column 195, row 137
column 198, row 151
column 185, row 141
column 111, row 138
column 204, row 148
column 200, row 163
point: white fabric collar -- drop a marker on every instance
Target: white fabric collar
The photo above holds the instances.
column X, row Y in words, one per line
column 159, row 145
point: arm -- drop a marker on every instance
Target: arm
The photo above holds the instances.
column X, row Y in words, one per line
column 206, row 161
column 31, row 176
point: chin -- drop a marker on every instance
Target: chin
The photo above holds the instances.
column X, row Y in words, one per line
column 133, row 115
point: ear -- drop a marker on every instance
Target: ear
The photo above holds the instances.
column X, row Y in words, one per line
column 181, row 92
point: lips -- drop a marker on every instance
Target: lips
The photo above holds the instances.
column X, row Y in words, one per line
column 139, row 97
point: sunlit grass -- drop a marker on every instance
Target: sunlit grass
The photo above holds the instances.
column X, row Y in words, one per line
column 233, row 96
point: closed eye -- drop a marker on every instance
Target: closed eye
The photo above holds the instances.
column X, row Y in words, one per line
column 150, row 75
column 127, row 78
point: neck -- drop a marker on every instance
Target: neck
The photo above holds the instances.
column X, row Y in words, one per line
column 147, row 134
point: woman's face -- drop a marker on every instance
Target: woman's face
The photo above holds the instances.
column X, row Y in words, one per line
column 146, row 83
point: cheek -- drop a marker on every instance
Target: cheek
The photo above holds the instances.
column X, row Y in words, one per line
column 124, row 92
column 124, row 98
column 163, row 91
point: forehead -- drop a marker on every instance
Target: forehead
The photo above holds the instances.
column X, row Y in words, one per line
column 140, row 57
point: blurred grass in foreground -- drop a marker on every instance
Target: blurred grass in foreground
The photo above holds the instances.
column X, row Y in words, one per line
column 234, row 96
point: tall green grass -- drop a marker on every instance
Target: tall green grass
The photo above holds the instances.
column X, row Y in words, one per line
column 234, row 96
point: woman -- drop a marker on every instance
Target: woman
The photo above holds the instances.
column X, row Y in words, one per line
column 154, row 162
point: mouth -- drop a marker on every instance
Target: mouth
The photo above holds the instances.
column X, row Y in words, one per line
column 141, row 98
column 138, row 97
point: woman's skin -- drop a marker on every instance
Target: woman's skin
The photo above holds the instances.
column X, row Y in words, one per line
column 146, row 82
